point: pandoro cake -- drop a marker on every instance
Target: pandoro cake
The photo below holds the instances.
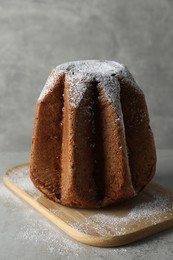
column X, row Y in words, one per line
column 92, row 144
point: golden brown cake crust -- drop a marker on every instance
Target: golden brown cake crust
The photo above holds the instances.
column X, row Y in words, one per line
column 92, row 145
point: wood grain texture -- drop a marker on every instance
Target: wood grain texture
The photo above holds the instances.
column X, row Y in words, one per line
column 148, row 213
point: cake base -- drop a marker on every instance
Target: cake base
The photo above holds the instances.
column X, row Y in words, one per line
column 148, row 213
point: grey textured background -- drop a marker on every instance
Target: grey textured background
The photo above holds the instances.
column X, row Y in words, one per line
column 35, row 36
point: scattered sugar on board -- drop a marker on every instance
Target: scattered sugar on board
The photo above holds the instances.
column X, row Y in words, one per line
column 36, row 229
column 22, row 180
column 105, row 224
column 38, row 232
column 54, row 241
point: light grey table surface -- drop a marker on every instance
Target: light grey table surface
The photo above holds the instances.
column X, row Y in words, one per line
column 26, row 234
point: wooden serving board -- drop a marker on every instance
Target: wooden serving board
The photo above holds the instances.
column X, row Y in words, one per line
column 146, row 214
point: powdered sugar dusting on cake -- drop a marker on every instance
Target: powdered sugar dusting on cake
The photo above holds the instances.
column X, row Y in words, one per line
column 50, row 83
column 77, row 89
column 92, row 67
column 111, row 87
column 80, row 72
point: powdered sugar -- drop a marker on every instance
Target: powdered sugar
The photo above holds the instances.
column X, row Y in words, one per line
column 150, row 205
column 50, row 83
column 33, row 229
column 40, row 231
column 76, row 90
column 36, row 231
column 8, row 198
column 91, row 67
column 106, row 224
column 21, row 179
column 79, row 73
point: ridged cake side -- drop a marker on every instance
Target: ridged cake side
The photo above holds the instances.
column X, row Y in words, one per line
column 45, row 161
column 91, row 147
